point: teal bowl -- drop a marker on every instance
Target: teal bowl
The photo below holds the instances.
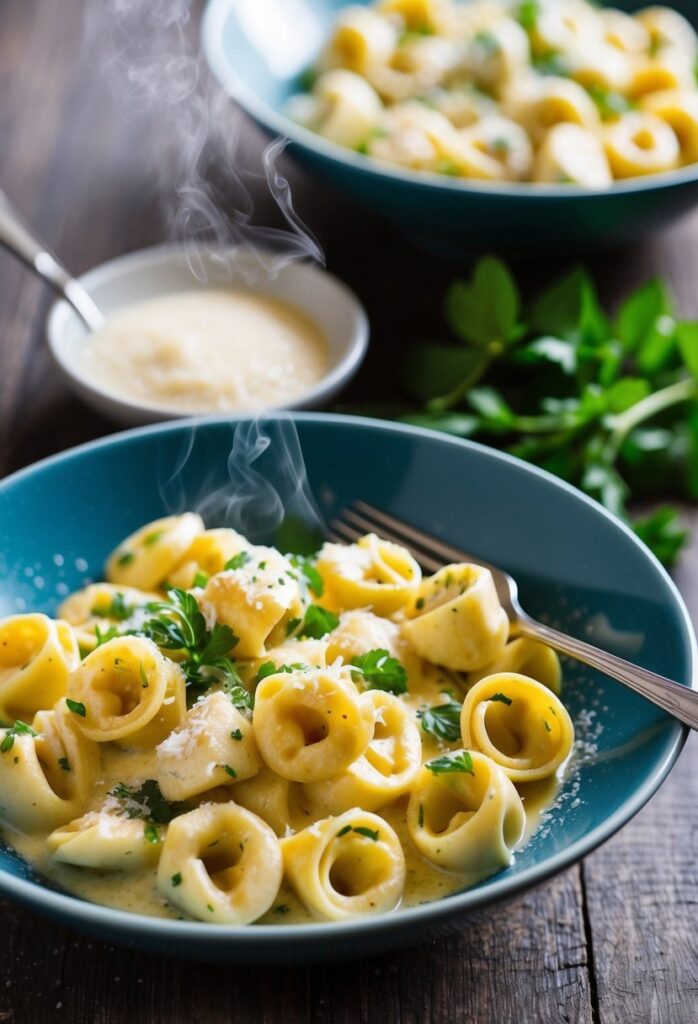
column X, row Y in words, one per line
column 258, row 52
column 578, row 567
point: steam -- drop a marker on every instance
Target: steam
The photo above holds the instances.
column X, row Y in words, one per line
column 267, row 480
column 148, row 51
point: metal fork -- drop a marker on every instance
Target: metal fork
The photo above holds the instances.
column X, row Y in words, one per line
column 431, row 553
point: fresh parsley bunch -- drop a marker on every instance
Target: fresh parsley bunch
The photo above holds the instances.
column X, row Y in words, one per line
column 608, row 404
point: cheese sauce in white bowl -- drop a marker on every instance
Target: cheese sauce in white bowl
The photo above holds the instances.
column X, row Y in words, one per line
column 174, row 345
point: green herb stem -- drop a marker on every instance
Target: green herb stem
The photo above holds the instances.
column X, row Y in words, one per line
column 622, row 424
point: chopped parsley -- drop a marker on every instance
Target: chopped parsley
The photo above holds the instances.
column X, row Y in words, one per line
column 145, row 802
column 419, row 604
column 151, row 834
column 64, row 763
column 152, row 538
column 229, row 771
column 200, row 579
column 238, row 560
column 144, row 678
column 241, row 698
column 362, row 830
column 77, row 707
column 442, row 720
column 420, row 816
column 291, row 625
column 117, row 609
column 176, row 879
column 125, row 559
column 236, row 734
column 318, row 621
column 547, row 725
column 380, row 671
column 312, row 577
column 104, row 636
column 501, row 697
column 18, row 729
column 461, row 761
column 270, row 669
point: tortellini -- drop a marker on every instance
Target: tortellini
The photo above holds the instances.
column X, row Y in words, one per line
column 383, row 772
column 106, row 842
column 100, row 607
column 348, row 866
column 468, row 820
column 526, row 657
column 413, row 84
column 519, row 724
column 220, row 863
column 229, row 734
column 37, row 654
column 372, row 573
column 212, row 746
column 459, row 621
column 47, row 771
column 145, row 558
column 257, row 600
column 641, row 143
column 573, row 155
column 126, row 690
column 310, row 725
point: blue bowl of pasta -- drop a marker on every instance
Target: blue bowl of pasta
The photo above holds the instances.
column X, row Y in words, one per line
column 135, row 804
column 582, row 145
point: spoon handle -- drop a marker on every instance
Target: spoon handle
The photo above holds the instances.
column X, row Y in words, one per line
column 680, row 701
column 19, row 239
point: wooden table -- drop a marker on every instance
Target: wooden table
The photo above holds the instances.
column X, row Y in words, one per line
column 612, row 940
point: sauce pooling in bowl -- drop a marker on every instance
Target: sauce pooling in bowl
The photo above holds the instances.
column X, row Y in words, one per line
column 208, row 350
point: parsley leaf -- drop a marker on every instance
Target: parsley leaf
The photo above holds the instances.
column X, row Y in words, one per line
column 442, row 720
column 501, row 697
column 312, row 576
column 317, row 622
column 461, row 761
column 18, row 729
column 238, row 560
column 380, row 671
column 270, row 669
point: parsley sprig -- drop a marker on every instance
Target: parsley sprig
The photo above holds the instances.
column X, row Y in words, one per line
column 178, row 624
column 380, row 671
column 461, row 761
column 608, row 404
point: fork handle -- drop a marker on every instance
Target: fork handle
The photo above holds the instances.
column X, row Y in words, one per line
column 680, row 701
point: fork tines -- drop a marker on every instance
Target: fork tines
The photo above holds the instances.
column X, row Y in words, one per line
column 361, row 518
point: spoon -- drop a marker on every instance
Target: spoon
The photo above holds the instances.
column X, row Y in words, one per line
column 20, row 240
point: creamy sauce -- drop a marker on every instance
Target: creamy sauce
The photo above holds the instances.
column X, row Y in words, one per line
column 208, row 350
column 138, row 893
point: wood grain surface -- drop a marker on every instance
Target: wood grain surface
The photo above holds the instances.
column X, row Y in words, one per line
column 612, row 941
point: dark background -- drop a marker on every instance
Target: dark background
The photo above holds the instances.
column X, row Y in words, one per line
column 610, row 941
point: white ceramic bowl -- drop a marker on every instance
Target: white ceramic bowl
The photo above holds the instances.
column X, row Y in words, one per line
column 165, row 270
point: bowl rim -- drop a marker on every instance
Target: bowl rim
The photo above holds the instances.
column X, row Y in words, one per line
column 166, row 254
column 496, row 889
column 213, row 20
